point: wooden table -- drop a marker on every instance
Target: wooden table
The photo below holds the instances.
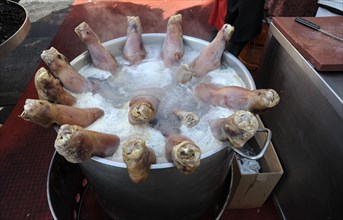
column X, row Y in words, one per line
column 325, row 53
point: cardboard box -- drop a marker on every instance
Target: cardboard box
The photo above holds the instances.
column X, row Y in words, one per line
column 252, row 190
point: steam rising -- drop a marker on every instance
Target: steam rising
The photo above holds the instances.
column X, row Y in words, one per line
column 151, row 77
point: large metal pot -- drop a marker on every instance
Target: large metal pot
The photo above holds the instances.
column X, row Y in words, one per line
column 167, row 193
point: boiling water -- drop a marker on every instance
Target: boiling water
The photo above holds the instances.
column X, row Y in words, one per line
column 151, row 77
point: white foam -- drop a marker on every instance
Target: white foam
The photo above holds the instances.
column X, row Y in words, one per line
column 89, row 71
column 225, row 76
column 201, row 133
column 151, row 73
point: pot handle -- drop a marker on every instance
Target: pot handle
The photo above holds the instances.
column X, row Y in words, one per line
column 264, row 148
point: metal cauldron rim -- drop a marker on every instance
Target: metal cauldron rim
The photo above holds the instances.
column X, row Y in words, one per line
column 249, row 83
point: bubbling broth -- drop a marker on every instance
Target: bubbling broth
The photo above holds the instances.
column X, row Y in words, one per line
column 152, row 77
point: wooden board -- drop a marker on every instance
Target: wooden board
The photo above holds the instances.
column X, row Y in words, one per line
column 325, row 53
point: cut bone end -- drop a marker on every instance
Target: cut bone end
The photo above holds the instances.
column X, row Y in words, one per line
column 42, row 74
column 228, row 31
column 37, row 111
column 42, row 79
column 141, row 113
column 175, row 19
column 69, row 144
column 81, row 27
column 134, row 24
column 138, row 159
column 189, row 119
column 184, row 74
column 30, row 106
column 49, row 55
column 245, row 121
column 237, row 128
column 133, row 150
column 186, row 157
column 86, row 33
column 63, row 136
column 243, row 128
column 50, row 89
column 270, row 98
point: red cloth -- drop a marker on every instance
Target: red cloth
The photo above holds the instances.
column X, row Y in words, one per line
column 25, row 153
column 218, row 14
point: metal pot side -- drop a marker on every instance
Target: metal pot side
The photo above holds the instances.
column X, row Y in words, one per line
column 166, row 194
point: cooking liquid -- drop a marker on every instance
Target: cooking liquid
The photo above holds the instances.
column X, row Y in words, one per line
column 152, row 77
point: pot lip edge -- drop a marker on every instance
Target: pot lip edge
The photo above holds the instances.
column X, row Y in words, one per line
column 112, row 163
column 122, row 39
